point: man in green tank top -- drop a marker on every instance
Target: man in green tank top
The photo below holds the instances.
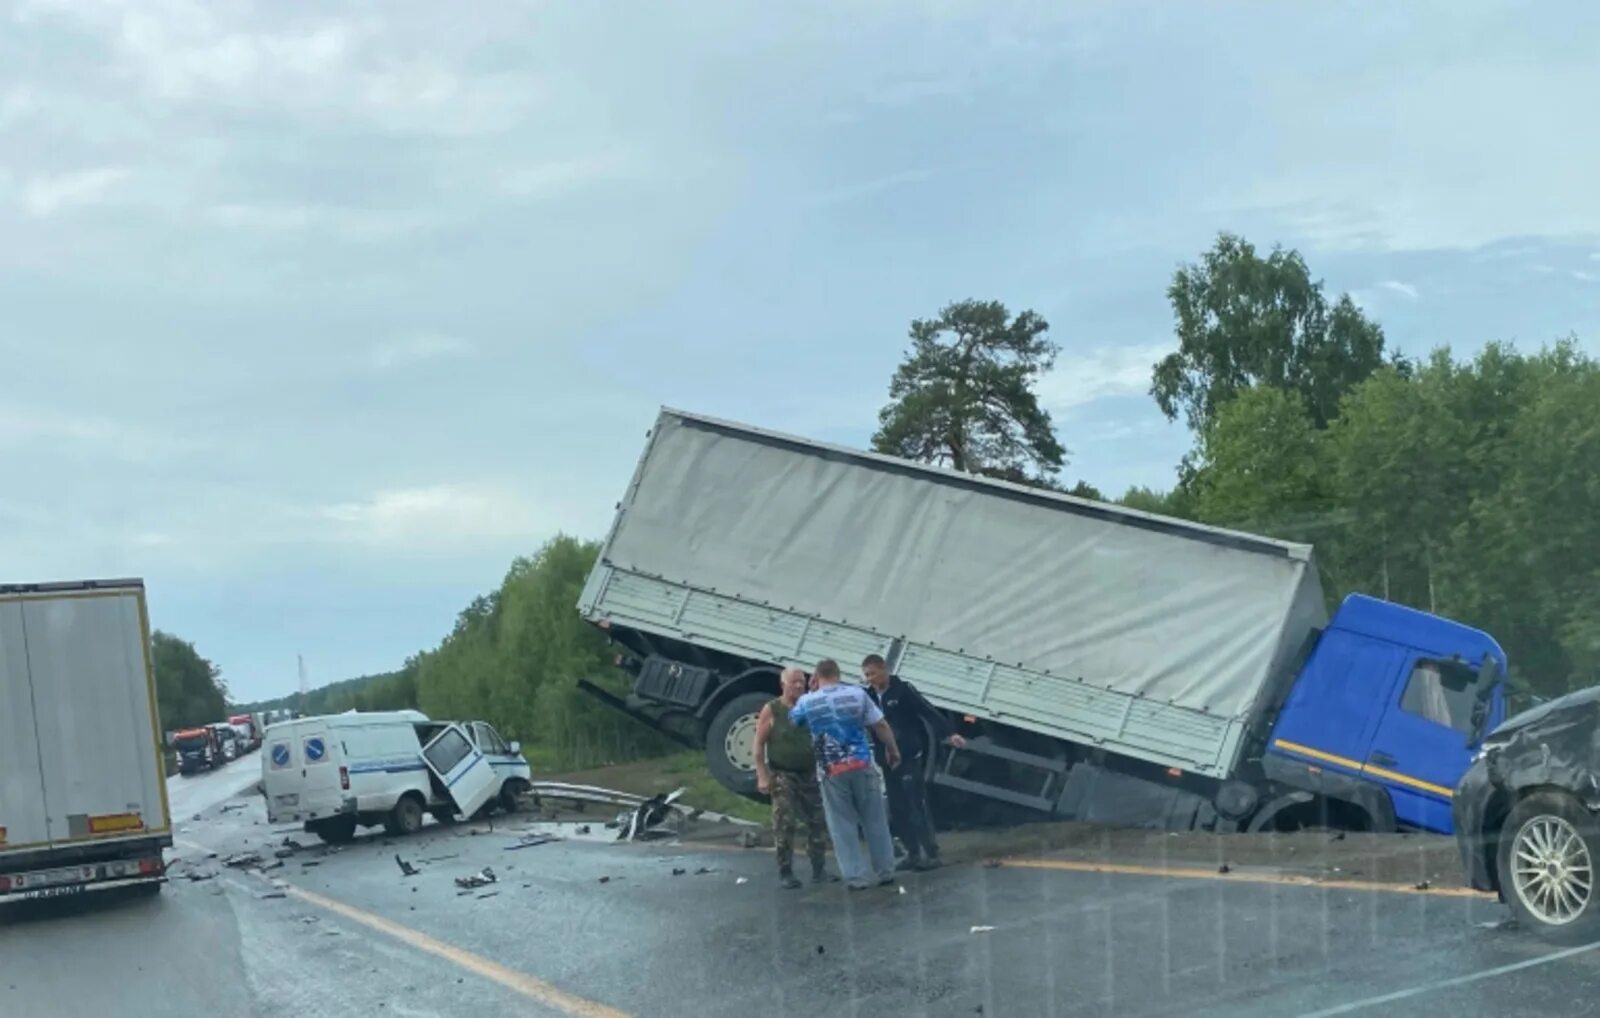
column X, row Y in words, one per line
column 787, row 771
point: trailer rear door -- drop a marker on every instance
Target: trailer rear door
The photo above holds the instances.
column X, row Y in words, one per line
column 22, row 808
column 94, row 713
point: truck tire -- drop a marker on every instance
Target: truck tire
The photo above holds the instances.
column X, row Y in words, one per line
column 406, row 817
column 1548, row 854
column 730, row 742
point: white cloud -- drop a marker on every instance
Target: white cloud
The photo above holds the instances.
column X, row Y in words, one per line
column 43, row 197
column 556, row 177
column 30, row 425
column 1403, row 289
column 1587, row 277
column 867, row 188
column 443, row 514
column 1097, row 374
column 413, row 349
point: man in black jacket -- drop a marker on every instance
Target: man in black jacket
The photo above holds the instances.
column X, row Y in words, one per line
column 906, row 711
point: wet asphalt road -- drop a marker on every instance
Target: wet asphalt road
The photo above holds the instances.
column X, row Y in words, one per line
column 352, row 936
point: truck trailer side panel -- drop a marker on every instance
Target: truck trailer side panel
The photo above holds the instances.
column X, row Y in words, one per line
column 1056, row 614
column 22, row 805
column 96, row 735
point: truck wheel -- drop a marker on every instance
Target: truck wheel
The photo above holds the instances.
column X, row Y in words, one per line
column 509, row 793
column 334, row 830
column 730, row 743
column 1549, row 848
column 406, row 817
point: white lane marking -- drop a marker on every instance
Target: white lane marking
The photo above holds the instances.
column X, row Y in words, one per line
column 1445, row 984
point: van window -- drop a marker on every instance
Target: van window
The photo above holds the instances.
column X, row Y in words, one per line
column 489, row 740
column 450, row 750
column 1444, row 692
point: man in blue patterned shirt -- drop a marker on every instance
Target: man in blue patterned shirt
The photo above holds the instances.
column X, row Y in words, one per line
column 838, row 717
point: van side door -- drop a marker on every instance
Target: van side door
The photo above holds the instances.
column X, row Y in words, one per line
column 466, row 773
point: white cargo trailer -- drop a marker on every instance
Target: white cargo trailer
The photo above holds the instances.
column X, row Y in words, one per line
column 83, row 795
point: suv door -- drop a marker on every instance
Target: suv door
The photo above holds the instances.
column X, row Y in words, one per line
column 467, row 776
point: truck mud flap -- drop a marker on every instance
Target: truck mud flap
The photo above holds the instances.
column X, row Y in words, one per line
column 617, row 703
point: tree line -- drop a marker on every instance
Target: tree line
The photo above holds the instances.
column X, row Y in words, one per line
column 190, row 690
column 1465, row 486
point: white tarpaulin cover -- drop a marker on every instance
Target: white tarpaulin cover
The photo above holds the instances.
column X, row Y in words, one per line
column 1197, row 617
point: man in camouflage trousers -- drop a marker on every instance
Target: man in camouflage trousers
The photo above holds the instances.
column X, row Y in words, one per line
column 787, row 771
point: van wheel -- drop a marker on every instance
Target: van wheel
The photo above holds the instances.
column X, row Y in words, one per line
column 406, row 817
column 334, row 830
column 510, row 792
column 730, row 743
column 1549, row 852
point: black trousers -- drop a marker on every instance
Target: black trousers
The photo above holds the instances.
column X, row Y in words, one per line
column 909, row 818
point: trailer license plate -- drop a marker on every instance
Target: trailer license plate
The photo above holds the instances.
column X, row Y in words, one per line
column 52, row 878
column 63, row 891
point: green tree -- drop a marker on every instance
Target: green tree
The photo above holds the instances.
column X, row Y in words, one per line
column 189, row 688
column 964, row 396
column 1263, row 467
column 1243, row 321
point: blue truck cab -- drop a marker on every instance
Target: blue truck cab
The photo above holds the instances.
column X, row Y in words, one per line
column 1391, row 703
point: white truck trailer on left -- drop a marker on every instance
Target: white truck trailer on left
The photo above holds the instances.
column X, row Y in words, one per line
column 83, row 792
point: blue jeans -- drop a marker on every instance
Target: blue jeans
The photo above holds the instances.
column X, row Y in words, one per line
column 855, row 799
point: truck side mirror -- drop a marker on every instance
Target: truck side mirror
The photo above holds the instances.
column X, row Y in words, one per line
column 516, row 747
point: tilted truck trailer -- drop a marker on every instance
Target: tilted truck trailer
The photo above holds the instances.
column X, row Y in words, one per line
column 83, row 793
column 1106, row 664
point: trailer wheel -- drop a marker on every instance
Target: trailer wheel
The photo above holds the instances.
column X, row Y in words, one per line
column 406, row 817
column 730, row 743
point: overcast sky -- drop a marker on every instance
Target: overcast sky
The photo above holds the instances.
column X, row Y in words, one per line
column 315, row 320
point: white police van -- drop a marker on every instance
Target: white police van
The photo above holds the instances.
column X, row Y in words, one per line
column 338, row 772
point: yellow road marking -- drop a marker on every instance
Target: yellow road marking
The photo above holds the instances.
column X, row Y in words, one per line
column 1192, row 873
column 518, row 982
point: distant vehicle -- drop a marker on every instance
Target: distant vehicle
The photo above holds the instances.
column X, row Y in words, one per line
column 227, row 740
column 1526, row 816
column 249, row 730
column 1105, row 664
column 197, row 750
column 338, row 772
column 83, row 792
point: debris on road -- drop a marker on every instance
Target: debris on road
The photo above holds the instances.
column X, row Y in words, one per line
column 532, row 840
column 194, row 876
column 310, row 863
column 268, row 895
column 406, row 869
column 272, row 866
column 282, row 853
column 649, row 815
column 1224, row 868
column 234, row 806
column 982, row 929
column 702, row 871
column 678, row 871
column 490, row 894
column 440, row 858
column 242, row 859
column 605, row 880
column 482, row 878
column 308, row 919
column 583, row 829
column 1424, row 886
column 742, row 880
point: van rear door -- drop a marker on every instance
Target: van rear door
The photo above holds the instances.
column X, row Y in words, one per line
column 467, row 775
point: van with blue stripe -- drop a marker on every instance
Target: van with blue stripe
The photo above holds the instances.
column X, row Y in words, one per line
column 340, row 772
